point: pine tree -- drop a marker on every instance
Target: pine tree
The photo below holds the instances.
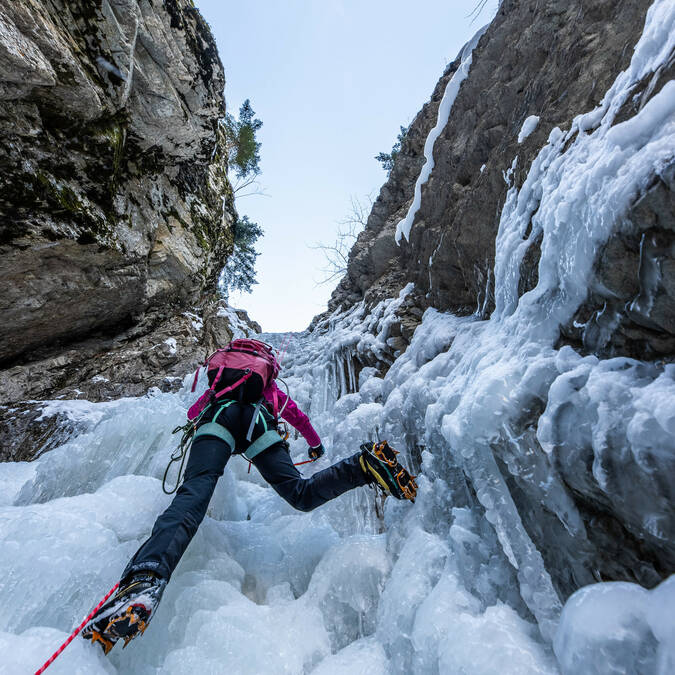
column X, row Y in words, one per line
column 243, row 149
column 239, row 271
column 387, row 159
column 243, row 154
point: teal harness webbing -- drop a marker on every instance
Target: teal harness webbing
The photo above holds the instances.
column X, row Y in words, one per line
column 214, row 429
column 265, row 441
column 268, row 439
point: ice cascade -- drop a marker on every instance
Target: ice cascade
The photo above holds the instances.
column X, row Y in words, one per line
column 455, row 582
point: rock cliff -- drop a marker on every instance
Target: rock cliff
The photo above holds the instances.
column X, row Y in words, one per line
column 115, row 209
column 553, row 61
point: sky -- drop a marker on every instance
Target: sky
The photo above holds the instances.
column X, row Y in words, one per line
column 332, row 82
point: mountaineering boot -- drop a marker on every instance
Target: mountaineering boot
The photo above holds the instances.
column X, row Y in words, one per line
column 127, row 613
column 379, row 463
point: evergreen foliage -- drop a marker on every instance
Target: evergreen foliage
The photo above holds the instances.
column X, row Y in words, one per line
column 243, row 155
column 243, row 149
column 387, row 159
column 239, row 271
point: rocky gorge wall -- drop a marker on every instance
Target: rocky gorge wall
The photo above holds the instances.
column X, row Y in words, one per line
column 116, row 212
column 554, row 60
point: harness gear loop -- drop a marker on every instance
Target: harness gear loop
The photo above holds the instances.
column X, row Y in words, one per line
column 254, row 419
column 288, row 395
column 179, row 455
column 282, row 428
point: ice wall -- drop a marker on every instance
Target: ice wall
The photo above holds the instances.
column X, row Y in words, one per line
column 507, row 433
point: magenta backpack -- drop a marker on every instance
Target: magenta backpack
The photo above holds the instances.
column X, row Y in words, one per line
column 242, row 369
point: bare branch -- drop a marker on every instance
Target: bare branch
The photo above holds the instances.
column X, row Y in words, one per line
column 337, row 254
column 237, row 186
column 475, row 12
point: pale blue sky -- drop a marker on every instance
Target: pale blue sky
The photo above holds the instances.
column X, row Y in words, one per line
column 332, row 81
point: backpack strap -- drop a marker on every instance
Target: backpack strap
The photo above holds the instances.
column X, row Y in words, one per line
column 217, row 377
column 194, row 382
column 241, row 380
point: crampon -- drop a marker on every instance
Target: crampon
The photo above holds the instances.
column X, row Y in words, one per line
column 379, row 462
column 126, row 614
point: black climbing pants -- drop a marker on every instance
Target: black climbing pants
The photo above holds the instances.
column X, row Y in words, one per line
column 175, row 528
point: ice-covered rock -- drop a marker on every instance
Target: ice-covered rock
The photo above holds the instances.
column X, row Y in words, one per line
column 541, row 468
column 618, row 627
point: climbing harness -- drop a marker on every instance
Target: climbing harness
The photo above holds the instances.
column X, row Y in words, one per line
column 191, row 431
column 250, row 357
column 72, row 636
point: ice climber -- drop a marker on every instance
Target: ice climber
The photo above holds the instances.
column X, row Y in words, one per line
column 238, row 414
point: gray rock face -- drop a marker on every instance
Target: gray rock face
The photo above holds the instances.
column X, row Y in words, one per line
column 551, row 59
column 114, row 195
column 115, row 209
column 630, row 310
column 157, row 351
column 554, row 60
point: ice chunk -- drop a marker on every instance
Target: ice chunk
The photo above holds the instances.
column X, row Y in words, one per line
column 361, row 657
column 13, row 476
column 618, row 627
column 529, row 125
column 452, row 634
column 346, row 586
column 72, row 548
column 418, row 568
column 27, row 652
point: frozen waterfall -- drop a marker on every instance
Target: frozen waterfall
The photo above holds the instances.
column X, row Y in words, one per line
column 452, row 584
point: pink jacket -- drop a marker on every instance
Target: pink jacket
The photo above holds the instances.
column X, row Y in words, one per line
column 292, row 414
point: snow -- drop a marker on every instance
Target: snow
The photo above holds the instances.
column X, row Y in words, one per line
column 76, row 410
column 529, row 125
column 239, row 327
column 171, row 343
column 449, row 95
column 451, row 584
column 195, row 319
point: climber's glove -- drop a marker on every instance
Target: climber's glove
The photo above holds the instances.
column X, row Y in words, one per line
column 315, row 453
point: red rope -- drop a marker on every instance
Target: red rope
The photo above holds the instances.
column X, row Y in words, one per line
column 282, row 349
column 307, row 461
column 76, row 631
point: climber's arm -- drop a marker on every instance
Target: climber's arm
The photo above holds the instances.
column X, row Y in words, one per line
column 292, row 414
